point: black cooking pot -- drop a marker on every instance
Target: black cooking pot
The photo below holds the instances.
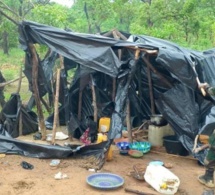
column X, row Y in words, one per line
column 158, row 120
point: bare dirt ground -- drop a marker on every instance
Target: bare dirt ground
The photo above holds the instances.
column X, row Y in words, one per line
column 15, row 180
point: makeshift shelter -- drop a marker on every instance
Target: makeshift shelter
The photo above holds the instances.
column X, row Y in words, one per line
column 150, row 75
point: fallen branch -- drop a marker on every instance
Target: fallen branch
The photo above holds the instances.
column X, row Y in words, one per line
column 137, row 192
column 9, row 82
column 173, row 155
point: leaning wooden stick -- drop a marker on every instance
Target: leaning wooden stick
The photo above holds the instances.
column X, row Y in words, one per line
column 56, row 106
column 199, row 83
column 9, row 82
column 35, row 64
column 94, row 99
column 137, row 192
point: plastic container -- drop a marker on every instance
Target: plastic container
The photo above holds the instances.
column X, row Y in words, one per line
column 104, row 124
column 162, row 179
column 101, row 137
column 156, row 134
column 174, row 146
column 110, row 154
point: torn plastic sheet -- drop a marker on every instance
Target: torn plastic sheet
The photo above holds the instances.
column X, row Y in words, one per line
column 10, row 117
column 92, row 51
column 184, row 112
column 10, row 145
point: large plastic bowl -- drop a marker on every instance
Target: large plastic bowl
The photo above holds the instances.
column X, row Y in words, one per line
column 174, row 146
column 144, row 147
column 123, row 145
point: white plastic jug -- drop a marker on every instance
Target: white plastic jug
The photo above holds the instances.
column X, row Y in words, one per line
column 161, row 179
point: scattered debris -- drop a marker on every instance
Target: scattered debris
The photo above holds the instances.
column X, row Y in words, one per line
column 37, row 136
column 168, row 165
column 137, row 192
column 26, row 165
column 54, row 162
column 2, row 155
column 58, row 136
column 60, row 175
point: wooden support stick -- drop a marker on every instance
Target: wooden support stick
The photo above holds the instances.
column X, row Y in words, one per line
column 128, row 122
column 94, row 99
column 150, row 90
column 156, row 72
column 152, row 52
column 35, row 64
column 20, row 80
column 107, row 33
column 114, row 90
column 56, row 114
column 9, row 82
column 121, row 35
column 46, row 105
column 80, row 101
column 20, row 122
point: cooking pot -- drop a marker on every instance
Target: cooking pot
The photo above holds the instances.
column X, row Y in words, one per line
column 158, row 120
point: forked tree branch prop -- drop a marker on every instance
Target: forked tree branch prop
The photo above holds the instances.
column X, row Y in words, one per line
column 35, row 63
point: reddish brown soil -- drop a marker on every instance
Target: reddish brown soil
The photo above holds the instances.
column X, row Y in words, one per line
column 15, row 180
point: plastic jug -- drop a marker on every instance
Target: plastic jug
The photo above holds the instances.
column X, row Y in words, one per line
column 104, row 124
column 162, row 179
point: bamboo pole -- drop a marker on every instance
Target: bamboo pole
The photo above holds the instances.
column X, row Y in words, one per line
column 56, row 114
column 94, row 99
column 150, row 89
column 35, row 63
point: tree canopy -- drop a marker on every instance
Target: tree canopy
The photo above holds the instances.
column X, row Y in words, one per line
column 190, row 23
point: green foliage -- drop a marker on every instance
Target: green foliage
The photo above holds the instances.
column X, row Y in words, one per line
column 186, row 22
column 50, row 14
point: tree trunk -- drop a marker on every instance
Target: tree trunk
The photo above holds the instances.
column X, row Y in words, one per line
column 5, row 43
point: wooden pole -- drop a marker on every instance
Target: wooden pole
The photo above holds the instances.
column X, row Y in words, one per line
column 121, row 35
column 9, row 82
column 114, row 90
column 156, row 72
column 80, row 100
column 94, row 99
column 20, row 80
column 128, row 122
column 35, row 64
column 137, row 192
column 150, row 89
column 20, row 122
column 56, row 114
